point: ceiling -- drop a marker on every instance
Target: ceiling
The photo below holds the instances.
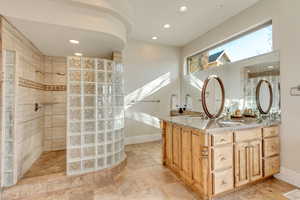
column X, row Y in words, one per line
column 53, row 40
column 201, row 16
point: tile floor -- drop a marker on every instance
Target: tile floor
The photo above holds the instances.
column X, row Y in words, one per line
column 49, row 163
column 144, row 178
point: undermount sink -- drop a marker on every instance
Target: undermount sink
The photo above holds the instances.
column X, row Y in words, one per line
column 229, row 123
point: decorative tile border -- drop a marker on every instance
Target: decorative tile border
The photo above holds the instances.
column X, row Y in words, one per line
column 39, row 86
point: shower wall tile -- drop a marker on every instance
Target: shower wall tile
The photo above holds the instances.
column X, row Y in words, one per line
column 29, row 124
column 55, row 110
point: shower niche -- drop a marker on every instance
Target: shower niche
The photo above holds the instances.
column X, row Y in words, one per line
column 95, row 115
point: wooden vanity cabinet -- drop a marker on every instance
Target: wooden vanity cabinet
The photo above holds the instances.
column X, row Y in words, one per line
column 217, row 163
column 271, row 150
column 248, row 156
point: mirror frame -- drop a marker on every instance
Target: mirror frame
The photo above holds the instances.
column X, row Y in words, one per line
column 203, row 97
column 258, row 99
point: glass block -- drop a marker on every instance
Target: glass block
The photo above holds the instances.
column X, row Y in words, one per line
column 117, row 146
column 8, row 178
column 101, row 77
column 109, row 124
column 101, row 90
column 119, row 100
column 119, row 124
column 75, row 140
column 75, row 127
column 100, row 64
column 89, row 151
column 100, row 101
column 74, row 153
column 118, row 68
column 101, row 113
column 109, row 112
column 109, row 77
column 89, row 101
column 89, row 126
column 100, row 150
column 75, row 62
column 9, row 148
column 117, row 135
column 89, row 76
column 75, row 75
column 75, row 114
column 109, row 100
column 89, row 63
column 89, row 89
column 109, row 89
column 101, row 125
column 75, row 89
column 109, row 136
column 75, row 101
column 8, row 132
column 109, row 160
column 118, row 78
column 89, row 114
column 109, row 148
column 110, row 66
column 8, row 163
column 89, row 164
column 101, row 137
column 89, row 139
column 119, row 112
column 74, row 166
column 10, row 57
column 100, row 162
column 118, row 90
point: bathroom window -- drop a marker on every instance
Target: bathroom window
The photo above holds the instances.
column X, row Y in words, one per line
column 252, row 43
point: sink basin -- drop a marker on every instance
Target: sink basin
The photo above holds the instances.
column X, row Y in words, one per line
column 229, row 123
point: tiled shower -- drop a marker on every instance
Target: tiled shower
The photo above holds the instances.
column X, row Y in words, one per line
column 57, row 103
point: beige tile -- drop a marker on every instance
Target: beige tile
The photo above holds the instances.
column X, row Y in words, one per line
column 177, row 191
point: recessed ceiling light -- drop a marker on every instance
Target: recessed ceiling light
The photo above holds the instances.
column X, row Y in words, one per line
column 74, row 41
column 167, row 26
column 154, row 38
column 183, row 9
column 78, row 54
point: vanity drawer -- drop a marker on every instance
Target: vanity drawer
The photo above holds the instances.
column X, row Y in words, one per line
column 271, row 166
column 222, row 138
column 222, row 181
column 271, row 131
column 246, row 135
column 222, row 157
column 271, row 146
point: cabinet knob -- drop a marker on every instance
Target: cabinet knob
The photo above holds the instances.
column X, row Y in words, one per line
column 223, row 182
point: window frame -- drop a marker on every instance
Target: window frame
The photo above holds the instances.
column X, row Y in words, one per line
column 230, row 39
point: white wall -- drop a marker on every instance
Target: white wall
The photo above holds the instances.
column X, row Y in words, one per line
column 290, row 72
column 148, row 68
column 285, row 15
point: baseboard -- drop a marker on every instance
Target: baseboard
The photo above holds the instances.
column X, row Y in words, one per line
column 142, row 139
column 289, row 176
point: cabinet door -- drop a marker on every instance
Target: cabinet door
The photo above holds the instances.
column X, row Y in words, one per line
column 186, row 146
column 176, row 147
column 241, row 164
column 169, row 144
column 255, row 158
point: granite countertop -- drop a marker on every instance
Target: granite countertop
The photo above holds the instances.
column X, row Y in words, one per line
column 218, row 125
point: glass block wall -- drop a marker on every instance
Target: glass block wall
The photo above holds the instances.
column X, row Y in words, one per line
column 8, row 111
column 95, row 115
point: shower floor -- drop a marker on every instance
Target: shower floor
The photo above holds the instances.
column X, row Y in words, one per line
column 51, row 162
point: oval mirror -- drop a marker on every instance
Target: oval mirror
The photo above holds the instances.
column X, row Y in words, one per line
column 213, row 97
column 264, row 96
